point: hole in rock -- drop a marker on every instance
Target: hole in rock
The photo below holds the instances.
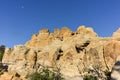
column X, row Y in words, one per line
column 60, row 51
column 86, row 44
column 78, row 49
column 58, row 57
column 73, row 34
column 60, row 54
column 17, row 75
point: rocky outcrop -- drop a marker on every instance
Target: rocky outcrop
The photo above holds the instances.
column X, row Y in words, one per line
column 83, row 31
column 111, row 52
column 115, row 75
column 74, row 53
column 116, row 34
column 21, row 60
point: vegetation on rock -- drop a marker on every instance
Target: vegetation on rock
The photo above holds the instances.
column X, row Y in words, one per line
column 89, row 77
column 107, row 74
column 45, row 74
column 2, row 50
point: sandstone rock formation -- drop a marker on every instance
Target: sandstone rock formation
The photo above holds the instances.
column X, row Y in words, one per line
column 74, row 53
column 116, row 35
column 116, row 70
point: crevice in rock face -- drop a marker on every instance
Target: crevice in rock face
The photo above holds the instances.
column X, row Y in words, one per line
column 26, row 54
column 105, row 60
column 35, row 61
column 58, row 56
column 86, row 44
column 78, row 49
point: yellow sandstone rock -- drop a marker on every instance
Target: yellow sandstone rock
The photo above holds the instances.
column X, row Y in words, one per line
column 73, row 52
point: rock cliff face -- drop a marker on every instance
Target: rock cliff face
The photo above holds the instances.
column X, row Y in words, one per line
column 73, row 52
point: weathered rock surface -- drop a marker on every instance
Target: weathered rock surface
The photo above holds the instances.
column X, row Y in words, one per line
column 73, row 52
column 116, row 35
column 116, row 70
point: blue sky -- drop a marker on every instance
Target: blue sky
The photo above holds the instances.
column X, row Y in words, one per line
column 21, row 18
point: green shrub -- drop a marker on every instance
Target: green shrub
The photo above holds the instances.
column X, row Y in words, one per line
column 89, row 77
column 45, row 74
column 2, row 49
column 107, row 74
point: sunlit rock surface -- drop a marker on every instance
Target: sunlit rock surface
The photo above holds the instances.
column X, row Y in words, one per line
column 73, row 52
